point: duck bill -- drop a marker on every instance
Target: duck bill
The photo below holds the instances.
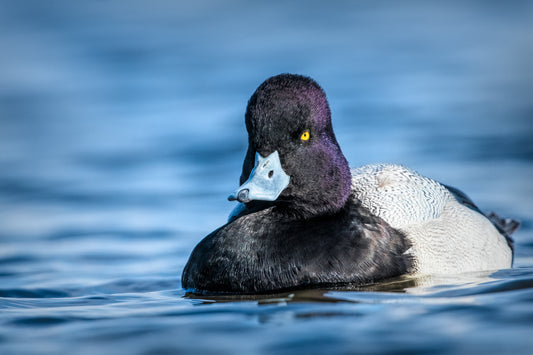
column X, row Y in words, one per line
column 266, row 182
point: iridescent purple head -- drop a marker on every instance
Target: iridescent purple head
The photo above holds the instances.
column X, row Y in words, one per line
column 290, row 114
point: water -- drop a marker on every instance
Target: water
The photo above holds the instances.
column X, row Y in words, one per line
column 121, row 134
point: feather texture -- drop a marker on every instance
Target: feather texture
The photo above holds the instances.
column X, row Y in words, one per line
column 447, row 231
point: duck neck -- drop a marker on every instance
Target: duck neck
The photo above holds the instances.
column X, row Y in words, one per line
column 326, row 197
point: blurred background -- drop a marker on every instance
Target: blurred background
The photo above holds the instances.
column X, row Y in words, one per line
column 122, row 122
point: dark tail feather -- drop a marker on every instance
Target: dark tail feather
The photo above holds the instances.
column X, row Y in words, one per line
column 505, row 226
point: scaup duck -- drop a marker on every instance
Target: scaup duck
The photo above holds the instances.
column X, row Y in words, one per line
column 306, row 220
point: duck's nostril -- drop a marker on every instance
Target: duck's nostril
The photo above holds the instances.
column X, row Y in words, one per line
column 270, row 173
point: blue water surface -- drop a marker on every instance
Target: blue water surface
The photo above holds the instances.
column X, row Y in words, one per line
column 122, row 133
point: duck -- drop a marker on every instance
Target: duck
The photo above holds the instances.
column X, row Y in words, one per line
column 305, row 219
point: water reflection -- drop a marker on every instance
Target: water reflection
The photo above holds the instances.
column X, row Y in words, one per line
column 420, row 285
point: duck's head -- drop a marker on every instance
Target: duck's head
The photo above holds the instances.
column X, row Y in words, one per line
column 293, row 159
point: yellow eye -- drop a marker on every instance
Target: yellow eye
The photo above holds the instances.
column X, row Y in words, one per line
column 305, row 136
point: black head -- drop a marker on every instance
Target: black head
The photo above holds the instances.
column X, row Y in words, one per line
column 290, row 114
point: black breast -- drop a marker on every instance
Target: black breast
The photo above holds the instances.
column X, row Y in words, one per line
column 269, row 251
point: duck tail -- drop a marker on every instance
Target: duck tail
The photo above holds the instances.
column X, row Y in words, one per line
column 506, row 226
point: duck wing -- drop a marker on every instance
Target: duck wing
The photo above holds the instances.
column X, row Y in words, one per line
column 506, row 226
column 461, row 197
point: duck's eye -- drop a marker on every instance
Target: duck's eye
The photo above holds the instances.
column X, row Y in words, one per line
column 305, row 136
